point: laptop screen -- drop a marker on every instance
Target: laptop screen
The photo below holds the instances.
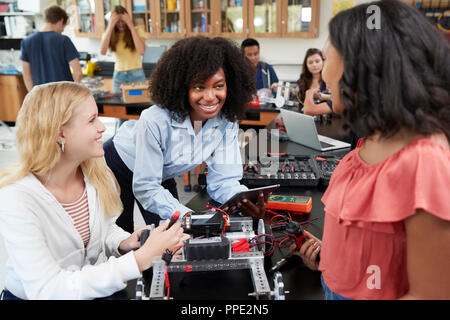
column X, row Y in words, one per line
column 301, row 128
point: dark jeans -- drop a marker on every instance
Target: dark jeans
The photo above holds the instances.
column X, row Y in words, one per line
column 125, row 178
column 6, row 295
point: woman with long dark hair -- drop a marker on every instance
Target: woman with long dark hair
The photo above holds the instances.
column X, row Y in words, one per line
column 311, row 87
column 387, row 214
column 128, row 45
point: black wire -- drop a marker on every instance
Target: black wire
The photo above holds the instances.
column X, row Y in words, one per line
column 176, row 250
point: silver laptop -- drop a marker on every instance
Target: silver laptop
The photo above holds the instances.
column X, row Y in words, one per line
column 301, row 128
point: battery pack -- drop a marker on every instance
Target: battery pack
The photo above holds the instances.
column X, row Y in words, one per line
column 207, row 249
column 204, row 224
column 296, row 204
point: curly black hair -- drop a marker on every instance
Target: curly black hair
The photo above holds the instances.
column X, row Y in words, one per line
column 396, row 76
column 196, row 59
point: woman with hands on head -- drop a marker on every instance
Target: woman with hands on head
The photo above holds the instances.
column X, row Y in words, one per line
column 128, row 45
column 60, row 204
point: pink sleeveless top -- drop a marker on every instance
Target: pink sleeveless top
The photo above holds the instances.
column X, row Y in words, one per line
column 363, row 253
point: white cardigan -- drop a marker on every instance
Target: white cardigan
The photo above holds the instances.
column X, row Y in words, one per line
column 46, row 255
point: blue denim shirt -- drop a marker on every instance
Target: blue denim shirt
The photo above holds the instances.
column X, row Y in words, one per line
column 157, row 147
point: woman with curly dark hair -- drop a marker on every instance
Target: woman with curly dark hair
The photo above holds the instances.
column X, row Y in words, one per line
column 387, row 214
column 200, row 88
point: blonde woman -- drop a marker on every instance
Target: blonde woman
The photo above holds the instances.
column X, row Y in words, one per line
column 60, row 203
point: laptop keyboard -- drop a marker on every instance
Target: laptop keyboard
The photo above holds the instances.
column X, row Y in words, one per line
column 325, row 145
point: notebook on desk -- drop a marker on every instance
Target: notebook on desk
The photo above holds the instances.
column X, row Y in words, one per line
column 301, row 128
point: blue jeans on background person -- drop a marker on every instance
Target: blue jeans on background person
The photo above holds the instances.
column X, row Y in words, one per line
column 330, row 295
column 121, row 77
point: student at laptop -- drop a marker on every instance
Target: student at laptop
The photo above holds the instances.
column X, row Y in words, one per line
column 387, row 214
column 311, row 87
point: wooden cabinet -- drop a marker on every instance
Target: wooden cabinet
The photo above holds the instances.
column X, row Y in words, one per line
column 225, row 18
column 300, row 18
column 87, row 13
column 91, row 16
column 231, row 18
column 144, row 16
column 171, row 18
column 284, row 18
column 266, row 18
column 12, row 91
column 199, row 17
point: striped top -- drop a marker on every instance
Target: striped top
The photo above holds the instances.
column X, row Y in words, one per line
column 79, row 212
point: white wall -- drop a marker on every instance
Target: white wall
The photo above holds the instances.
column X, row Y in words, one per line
column 286, row 54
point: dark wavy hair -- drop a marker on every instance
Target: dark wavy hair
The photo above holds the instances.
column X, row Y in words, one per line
column 305, row 80
column 195, row 60
column 396, row 76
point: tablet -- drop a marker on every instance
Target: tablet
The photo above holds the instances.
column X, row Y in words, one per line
column 252, row 195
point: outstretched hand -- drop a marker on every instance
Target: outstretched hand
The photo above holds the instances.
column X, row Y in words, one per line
column 256, row 211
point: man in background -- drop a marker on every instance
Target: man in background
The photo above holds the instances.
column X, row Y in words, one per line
column 47, row 55
column 265, row 74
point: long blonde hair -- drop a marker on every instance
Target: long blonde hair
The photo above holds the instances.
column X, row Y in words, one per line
column 44, row 111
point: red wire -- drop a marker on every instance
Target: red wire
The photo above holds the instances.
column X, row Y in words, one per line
column 277, row 216
column 226, row 215
column 283, row 240
column 271, row 212
column 181, row 245
column 254, row 244
column 211, row 207
column 290, row 218
column 167, row 283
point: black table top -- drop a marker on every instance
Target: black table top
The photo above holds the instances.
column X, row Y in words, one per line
column 118, row 101
column 301, row 282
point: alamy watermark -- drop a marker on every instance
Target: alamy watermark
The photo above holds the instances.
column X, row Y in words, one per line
column 374, row 20
column 225, row 147
column 374, row 280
